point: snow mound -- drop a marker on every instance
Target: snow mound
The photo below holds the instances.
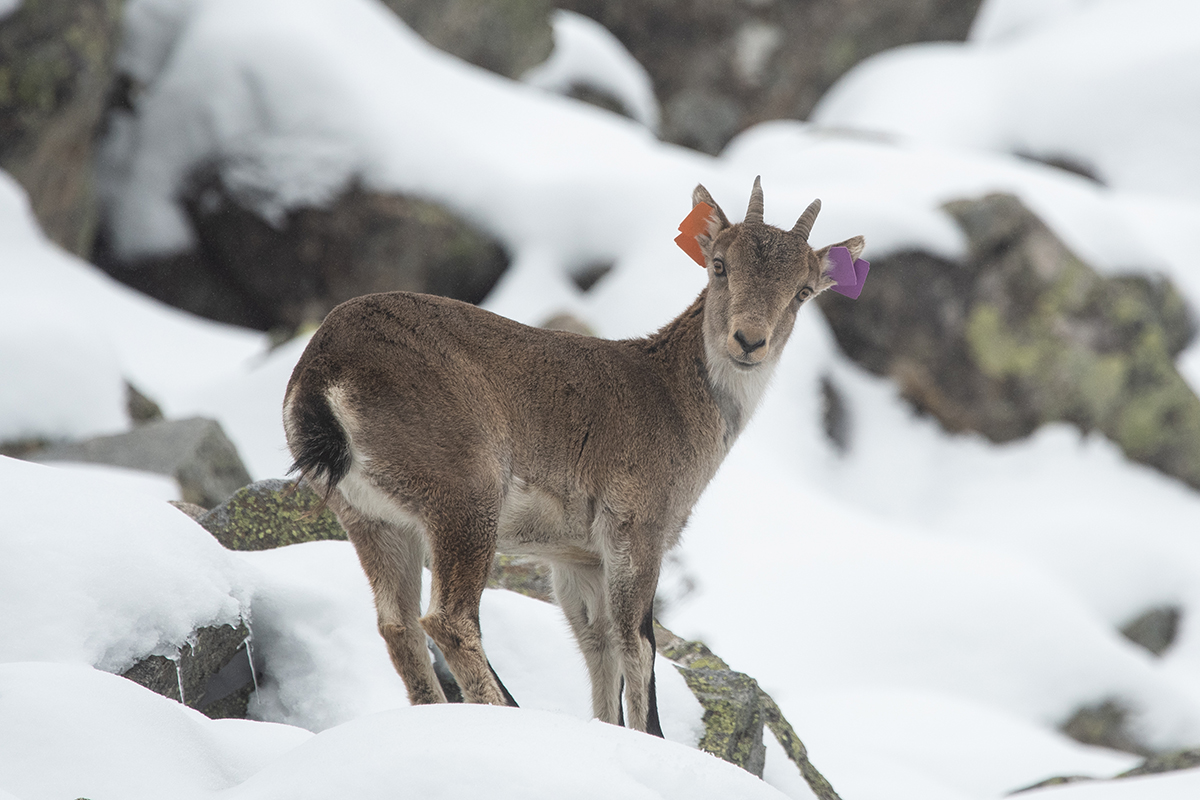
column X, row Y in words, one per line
column 586, row 54
column 104, row 577
column 1099, row 84
column 463, row 751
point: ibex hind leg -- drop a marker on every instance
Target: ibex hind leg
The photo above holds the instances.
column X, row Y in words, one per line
column 582, row 594
column 392, row 555
column 462, row 540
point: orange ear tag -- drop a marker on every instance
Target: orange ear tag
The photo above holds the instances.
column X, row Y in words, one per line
column 692, row 226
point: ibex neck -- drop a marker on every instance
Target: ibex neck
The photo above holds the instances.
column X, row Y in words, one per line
column 704, row 368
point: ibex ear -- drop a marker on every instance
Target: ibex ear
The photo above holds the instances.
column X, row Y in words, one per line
column 717, row 221
column 841, row 268
column 698, row 228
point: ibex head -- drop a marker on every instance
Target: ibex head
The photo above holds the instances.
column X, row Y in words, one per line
column 758, row 277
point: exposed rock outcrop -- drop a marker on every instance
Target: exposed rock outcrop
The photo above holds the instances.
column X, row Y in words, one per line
column 719, row 67
column 288, row 273
column 1154, row 765
column 269, row 514
column 1154, row 629
column 1023, row 333
column 1106, row 724
column 213, row 671
column 196, row 452
column 504, row 36
column 56, row 70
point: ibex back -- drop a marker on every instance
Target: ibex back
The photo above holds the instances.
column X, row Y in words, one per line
column 438, row 430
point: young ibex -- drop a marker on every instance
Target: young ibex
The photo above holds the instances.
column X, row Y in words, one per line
column 434, row 427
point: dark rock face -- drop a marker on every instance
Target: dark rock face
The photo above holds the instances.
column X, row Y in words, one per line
column 195, row 452
column 270, row 514
column 1105, row 725
column 719, row 67
column 55, row 73
column 1154, row 629
column 247, row 271
column 1024, row 333
column 504, row 36
column 214, row 672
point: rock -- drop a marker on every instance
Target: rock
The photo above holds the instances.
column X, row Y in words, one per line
column 721, row 66
column 141, row 408
column 569, row 323
column 696, row 656
column 1023, row 333
column 1059, row 780
column 191, row 509
column 1154, row 629
column 55, row 73
column 195, row 452
column 269, row 514
column 523, row 575
column 835, row 415
column 289, row 272
column 504, row 36
column 213, row 670
column 733, row 716
column 1105, row 725
column 1165, row 762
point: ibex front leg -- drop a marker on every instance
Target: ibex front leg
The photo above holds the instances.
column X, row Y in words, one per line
column 632, row 581
column 462, row 537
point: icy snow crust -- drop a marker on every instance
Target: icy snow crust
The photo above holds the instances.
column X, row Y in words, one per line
column 925, row 608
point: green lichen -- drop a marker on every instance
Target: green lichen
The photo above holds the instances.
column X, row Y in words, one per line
column 271, row 514
column 733, row 718
column 997, row 352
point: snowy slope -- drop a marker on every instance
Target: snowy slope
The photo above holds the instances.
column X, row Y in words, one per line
column 926, row 609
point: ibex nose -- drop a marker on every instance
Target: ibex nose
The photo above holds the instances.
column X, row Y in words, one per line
column 748, row 347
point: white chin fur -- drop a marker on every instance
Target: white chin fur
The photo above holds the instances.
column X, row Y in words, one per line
column 744, row 387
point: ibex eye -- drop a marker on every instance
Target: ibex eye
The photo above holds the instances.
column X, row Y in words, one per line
column 804, row 293
column 719, row 266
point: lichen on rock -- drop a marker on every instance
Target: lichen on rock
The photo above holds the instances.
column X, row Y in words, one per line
column 1023, row 333
column 269, row 514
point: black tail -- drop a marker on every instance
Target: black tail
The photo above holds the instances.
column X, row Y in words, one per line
column 320, row 446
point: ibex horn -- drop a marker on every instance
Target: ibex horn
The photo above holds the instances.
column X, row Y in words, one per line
column 803, row 226
column 755, row 211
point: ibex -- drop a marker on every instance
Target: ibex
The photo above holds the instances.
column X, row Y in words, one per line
column 437, row 429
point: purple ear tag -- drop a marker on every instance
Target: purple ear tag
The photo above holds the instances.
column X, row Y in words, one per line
column 849, row 273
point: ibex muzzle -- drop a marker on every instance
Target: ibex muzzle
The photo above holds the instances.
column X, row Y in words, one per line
column 436, row 430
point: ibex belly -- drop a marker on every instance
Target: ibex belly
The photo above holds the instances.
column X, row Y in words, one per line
column 537, row 522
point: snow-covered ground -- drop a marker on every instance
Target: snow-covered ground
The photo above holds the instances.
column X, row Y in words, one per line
column 926, row 609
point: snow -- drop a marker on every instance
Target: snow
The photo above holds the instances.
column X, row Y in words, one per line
column 511, row 754
column 926, row 609
column 103, row 577
column 70, row 337
column 1098, row 82
column 586, row 54
column 73, row 731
